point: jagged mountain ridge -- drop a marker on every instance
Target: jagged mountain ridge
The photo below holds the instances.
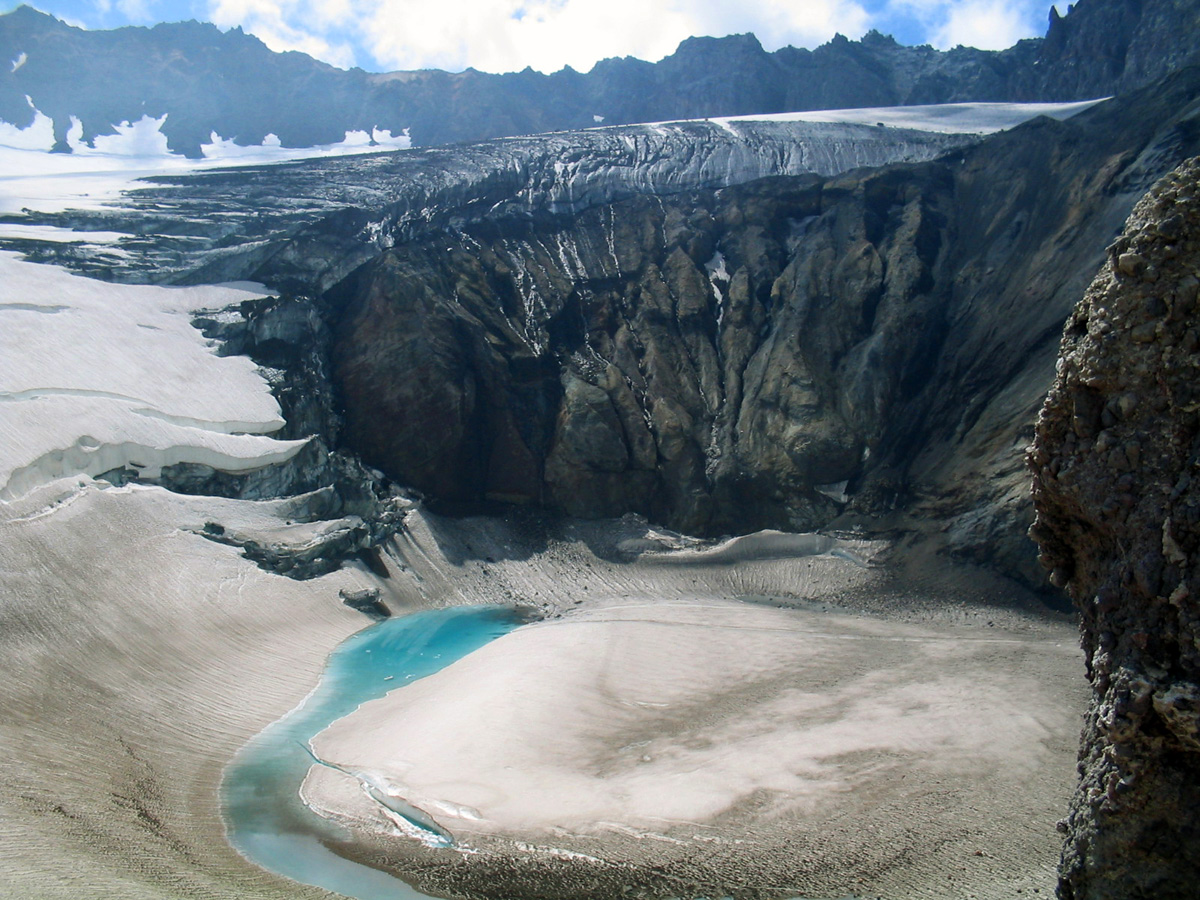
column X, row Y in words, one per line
column 207, row 81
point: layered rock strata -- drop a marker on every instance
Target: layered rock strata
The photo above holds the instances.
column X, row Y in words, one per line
column 1118, row 521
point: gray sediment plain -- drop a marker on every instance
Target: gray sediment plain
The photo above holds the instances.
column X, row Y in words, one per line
column 817, row 727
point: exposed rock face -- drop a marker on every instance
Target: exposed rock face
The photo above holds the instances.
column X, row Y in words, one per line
column 1118, row 520
column 205, row 80
column 566, row 321
column 1112, row 47
column 723, row 362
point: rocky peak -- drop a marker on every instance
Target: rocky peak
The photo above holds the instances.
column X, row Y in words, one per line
column 1110, row 46
column 25, row 16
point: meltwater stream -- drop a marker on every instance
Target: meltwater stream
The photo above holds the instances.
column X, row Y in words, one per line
column 265, row 819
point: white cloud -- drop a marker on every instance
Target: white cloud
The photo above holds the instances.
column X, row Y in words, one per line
column 284, row 25
column 507, row 35
column 986, row 24
column 135, row 10
column 778, row 23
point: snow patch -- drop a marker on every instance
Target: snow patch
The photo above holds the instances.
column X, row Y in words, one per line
column 835, row 491
column 21, row 59
column 717, row 275
column 271, row 149
column 727, row 125
column 39, row 135
column 56, row 235
column 140, row 139
column 92, row 176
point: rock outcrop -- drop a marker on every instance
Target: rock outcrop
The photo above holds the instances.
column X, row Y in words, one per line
column 336, row 507
column 205, row 81
column 1115, row 466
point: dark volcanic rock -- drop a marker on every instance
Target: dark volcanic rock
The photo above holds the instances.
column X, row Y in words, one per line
column 204, row 80
column 1118, row 521
column 337, row 508
column 725, row 361
column 366, row 601
column 1111, row 46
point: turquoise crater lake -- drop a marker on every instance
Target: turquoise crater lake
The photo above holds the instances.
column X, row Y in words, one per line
column 265, row 819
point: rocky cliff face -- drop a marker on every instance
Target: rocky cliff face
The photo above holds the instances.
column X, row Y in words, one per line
column 1118, row 521
column 205, row 80
column 868, row 349
column 1111, row 47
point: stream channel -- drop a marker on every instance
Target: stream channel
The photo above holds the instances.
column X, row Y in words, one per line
column 265, row 819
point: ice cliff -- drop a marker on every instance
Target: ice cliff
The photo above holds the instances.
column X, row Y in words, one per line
column 98, row 377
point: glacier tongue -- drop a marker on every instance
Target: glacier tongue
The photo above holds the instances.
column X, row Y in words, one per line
column 306, row 225
column 336, row 213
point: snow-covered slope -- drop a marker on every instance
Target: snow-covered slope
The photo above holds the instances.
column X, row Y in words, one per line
column 92, row 175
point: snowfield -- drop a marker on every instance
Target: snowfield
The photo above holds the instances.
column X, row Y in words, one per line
column 948, row 118
column 89, row 177
column 97, row 376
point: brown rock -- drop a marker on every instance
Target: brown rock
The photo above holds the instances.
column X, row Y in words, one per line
column 1133, row 566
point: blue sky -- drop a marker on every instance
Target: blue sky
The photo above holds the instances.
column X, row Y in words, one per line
column 507, row 35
